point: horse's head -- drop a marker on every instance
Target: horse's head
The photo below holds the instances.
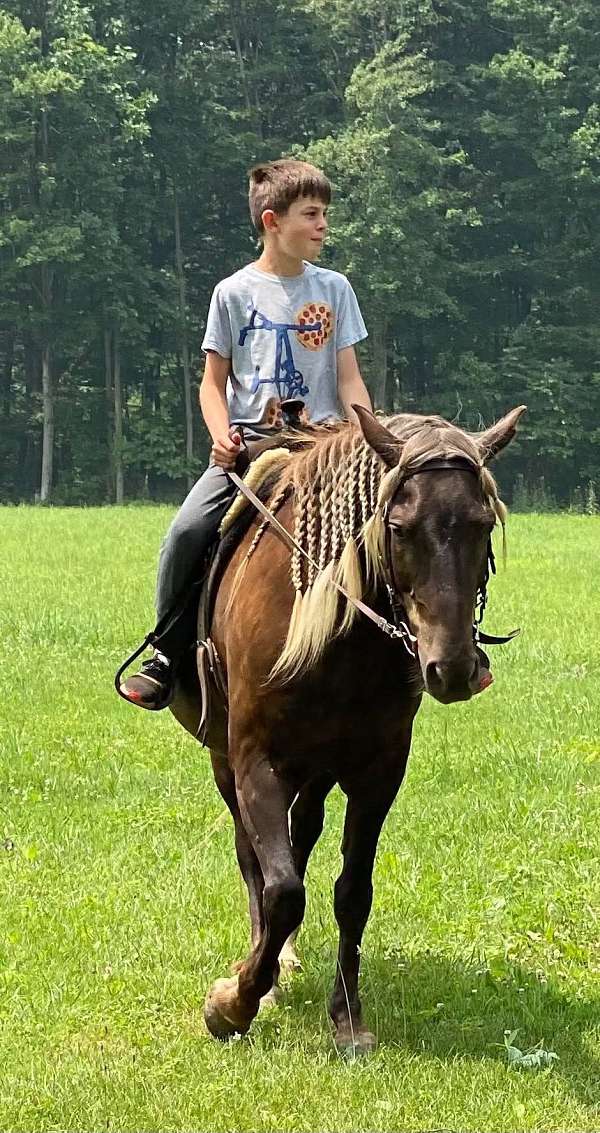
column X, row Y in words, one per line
column 439, row 514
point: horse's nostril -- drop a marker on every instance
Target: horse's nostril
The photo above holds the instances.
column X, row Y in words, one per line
column 434, row 675
column 452, row 678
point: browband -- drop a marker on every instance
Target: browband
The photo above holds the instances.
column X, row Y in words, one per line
column 460, row 463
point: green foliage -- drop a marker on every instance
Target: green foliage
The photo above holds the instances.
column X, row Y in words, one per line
column 462, row 141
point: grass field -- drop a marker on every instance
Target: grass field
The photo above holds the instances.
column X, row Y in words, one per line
column 120, row 899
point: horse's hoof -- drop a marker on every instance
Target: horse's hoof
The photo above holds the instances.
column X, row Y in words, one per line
column 273, row 998
column 221, row 1010
column 354, row 1044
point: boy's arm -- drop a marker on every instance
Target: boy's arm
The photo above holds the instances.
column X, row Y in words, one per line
column 350, row 385
column 213, row 403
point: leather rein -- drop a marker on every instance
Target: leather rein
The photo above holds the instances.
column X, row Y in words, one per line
column 399, row 628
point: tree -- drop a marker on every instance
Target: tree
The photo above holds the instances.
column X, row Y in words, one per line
column 74, row 101
column 462, row 138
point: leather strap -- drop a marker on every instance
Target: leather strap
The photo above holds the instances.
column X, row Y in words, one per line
column 449, row 464
column 401, row 631
column 492, row 639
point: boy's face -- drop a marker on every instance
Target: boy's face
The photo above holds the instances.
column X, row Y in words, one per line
column 300, row 231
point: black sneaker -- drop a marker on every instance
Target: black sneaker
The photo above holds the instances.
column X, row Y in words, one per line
column 153, row 686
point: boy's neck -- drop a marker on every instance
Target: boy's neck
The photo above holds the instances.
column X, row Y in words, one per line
column 275, row 262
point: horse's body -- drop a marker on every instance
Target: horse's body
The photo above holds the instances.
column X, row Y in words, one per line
column 344, row 716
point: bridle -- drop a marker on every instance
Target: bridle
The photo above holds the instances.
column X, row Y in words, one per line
column 399, row 628
column 399, row 615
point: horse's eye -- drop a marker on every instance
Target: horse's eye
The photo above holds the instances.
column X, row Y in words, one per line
column 397, row 530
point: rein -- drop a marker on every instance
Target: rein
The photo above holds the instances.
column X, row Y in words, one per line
column 399, row 629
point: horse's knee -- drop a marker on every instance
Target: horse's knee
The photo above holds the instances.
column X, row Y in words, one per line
column 352, row 901
column 284, row 901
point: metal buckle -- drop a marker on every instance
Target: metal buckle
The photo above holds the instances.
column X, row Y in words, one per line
column 401, row 633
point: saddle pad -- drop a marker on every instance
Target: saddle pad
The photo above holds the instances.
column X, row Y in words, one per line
column 269, row 461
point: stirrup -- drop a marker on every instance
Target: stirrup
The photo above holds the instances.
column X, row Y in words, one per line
column 150, row 639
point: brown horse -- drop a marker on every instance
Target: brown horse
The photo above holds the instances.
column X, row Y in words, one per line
column 318, row 695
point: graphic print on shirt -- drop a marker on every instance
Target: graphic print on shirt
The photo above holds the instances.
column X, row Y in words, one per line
column 310, row 337
column 272, row 417
column 313, row 327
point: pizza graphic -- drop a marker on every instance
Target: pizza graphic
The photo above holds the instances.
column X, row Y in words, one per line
column 319, row 320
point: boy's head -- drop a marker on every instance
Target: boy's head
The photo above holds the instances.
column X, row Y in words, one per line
column 288, row 203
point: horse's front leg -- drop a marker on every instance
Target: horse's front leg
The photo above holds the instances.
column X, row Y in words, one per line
column 369, row 800
column 306, row 824
column 247, row 860
column 263, row 800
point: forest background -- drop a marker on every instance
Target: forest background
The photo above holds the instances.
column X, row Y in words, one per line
column 462, row 140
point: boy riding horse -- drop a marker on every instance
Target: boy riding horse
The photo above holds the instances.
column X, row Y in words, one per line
column 288, row 294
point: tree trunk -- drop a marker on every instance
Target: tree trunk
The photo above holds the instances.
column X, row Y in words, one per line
column 48, row 426
column 380, row 362
column 29, row 448
column 108, row 391
column 7, row 377
column 239, row 54
column 47, row 393
column 185, row 351
column 419, row 370
column 47, row 383
column 118, row 412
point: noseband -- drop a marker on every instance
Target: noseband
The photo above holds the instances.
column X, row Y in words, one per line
column 399, row 614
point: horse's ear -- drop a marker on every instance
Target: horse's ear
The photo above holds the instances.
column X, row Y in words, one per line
column 384, row 443
column 498, row 436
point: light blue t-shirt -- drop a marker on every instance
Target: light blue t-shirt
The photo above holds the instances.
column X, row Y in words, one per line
column 282, row 334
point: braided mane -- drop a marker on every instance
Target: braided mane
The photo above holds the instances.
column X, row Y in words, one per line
column 340, row 487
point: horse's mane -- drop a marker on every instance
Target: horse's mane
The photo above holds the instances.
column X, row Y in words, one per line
column 340, row 487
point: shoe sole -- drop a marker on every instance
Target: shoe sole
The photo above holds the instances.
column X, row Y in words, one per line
column 136, row 698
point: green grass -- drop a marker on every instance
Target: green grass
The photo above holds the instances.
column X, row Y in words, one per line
column 120, row 899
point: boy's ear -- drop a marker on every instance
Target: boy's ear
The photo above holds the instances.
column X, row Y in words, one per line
column 267, row 217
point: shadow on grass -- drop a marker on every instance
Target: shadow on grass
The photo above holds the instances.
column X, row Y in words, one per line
column 445, row 1009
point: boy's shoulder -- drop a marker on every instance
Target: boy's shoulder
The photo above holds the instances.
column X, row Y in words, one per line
column 248, row 275
column 328, row 275
column 233, row 282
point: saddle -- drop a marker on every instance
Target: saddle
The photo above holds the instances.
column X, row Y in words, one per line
column 211, row 672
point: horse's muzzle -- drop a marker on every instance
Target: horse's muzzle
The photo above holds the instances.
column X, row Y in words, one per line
column 452, row 680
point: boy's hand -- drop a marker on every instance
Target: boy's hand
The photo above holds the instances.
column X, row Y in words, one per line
column 225, row 450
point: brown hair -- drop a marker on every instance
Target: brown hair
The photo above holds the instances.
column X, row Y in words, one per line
column 276, row 184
